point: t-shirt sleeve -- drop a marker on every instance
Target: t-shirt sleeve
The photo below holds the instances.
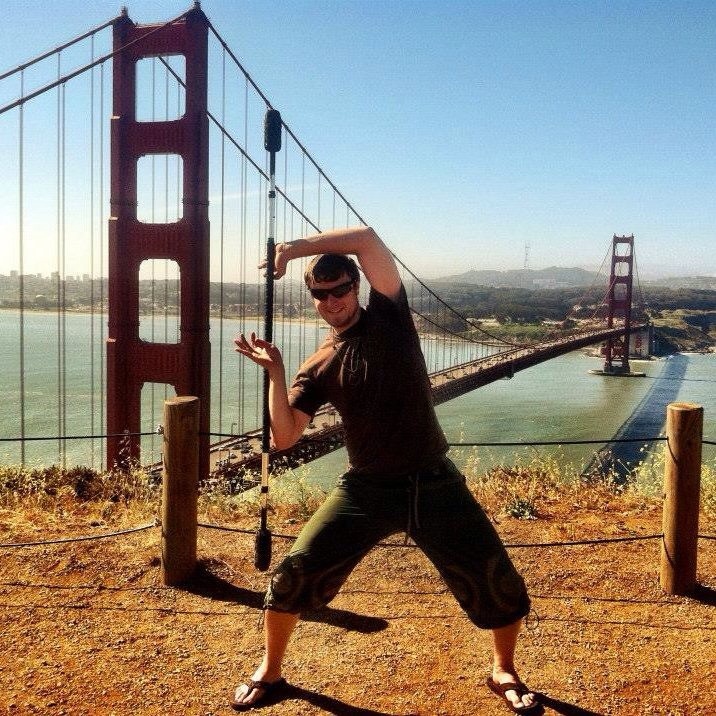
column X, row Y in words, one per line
column 396, row 312
column 304, row 394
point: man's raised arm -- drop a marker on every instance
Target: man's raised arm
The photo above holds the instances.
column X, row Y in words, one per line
column 372, row 254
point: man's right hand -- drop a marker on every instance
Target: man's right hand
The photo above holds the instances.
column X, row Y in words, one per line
column 281, row 259
column 261, row 352
column 287, row 423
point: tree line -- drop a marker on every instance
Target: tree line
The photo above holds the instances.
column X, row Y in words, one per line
column 530, row 306
column 519, row 305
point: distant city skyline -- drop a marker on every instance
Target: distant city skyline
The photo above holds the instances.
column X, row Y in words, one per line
column 14, row 273
column 460, row 130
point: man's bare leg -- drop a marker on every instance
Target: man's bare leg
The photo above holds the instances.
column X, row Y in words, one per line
column 278, row 628
column 504, row 641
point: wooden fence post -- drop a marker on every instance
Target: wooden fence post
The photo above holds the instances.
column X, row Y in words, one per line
column 682, row 486
column 180, row 488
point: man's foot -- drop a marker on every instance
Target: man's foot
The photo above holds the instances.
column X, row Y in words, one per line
column 517, row 696
column 255, row 693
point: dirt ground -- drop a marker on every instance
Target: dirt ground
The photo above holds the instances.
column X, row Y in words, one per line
column 88, row 628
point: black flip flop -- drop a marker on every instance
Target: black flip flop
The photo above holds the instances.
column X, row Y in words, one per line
column 271, row 689
column 520, row 689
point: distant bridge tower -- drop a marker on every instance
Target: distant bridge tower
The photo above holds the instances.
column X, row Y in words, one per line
column 130, row 361
column 616, row 353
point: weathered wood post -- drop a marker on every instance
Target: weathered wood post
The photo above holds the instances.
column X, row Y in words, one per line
column 682, row 486
column 180, row 488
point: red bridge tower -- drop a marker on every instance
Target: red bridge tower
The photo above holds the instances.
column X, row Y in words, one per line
column 616, row 353
column 131, row 361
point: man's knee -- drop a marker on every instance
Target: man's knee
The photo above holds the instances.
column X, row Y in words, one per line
column 296, row 587
column 493, row 598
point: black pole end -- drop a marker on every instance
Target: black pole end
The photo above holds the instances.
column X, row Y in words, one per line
column 272, row 130
column 262, row 549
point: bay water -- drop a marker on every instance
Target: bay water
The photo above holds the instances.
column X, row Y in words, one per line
column 558, row 400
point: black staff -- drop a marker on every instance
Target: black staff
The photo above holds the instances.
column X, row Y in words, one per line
column 272, row 143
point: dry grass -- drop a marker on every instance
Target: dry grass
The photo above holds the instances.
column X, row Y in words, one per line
column 525, row 490
column 59, row 497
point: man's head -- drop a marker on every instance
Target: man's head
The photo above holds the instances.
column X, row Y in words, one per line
column 333, row 281
column 330, row 267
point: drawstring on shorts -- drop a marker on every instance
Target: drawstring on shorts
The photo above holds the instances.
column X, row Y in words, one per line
column 413, row 501
column 532, row 619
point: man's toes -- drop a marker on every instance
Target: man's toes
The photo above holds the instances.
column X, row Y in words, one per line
column 240, row 694
column 525, row 701
column 246, row 694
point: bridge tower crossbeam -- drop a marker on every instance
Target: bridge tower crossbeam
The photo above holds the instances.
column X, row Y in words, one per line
column 131, row 361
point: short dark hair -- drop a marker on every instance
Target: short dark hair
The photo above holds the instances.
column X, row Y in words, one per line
column 330, row 267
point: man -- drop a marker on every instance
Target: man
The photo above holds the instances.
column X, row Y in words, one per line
column 371, row 369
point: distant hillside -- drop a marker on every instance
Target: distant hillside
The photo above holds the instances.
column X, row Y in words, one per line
column 559, row 277
column 553, row 277
column 706, row 283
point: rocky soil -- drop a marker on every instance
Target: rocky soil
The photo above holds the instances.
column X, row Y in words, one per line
column 88, row 628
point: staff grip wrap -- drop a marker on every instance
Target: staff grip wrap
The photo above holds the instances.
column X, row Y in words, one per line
column 272, row 130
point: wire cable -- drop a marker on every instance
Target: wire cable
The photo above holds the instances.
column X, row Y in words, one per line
column 102, row 224
column 91, row 251
column 660, row 438
column 77, row 437
column 301, row 210
column 306, row 154
column 86, row 538
column 59, row 48
column 21, row 283
column 514, row 545
column 100, row 60
column 586, row 293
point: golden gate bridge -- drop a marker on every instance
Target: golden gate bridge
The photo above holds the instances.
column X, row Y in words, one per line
column 153, row 173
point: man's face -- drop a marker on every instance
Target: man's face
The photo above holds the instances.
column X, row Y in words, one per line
column 339, row 312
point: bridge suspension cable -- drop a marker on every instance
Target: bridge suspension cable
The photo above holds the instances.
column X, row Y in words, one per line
column 63, row 79
column 58, row 49
column 588, row 292
column 322, row 174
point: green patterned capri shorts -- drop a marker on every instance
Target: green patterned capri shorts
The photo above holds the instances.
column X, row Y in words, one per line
column 433, row 506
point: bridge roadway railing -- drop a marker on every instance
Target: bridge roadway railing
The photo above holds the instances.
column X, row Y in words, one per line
column 238, row 458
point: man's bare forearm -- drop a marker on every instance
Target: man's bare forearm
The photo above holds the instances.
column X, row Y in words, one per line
column 286, row 426
column 353, row 240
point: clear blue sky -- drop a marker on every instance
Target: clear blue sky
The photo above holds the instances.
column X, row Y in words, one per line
column 463, row 130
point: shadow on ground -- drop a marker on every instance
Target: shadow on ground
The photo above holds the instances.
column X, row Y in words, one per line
column 206, row 583
column 562, row 707
column 331, row 705
column 704, row 595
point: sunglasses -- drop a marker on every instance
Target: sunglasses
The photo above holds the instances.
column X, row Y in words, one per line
column 321, row 294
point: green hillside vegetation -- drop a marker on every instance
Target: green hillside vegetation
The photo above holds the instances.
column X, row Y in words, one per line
column 685, row 330
column 525, row 306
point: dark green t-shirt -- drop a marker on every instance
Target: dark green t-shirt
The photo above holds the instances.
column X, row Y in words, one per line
column 374, row 374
